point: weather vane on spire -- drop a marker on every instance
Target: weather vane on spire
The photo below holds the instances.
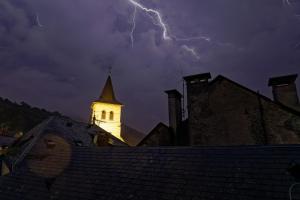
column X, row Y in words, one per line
column 109, row 70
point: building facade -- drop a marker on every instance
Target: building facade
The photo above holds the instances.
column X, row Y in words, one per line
column 223, row 112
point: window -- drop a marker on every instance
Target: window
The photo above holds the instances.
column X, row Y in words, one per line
column 111, row 115
column 103, row 115
column 49, row 143
column 78, row 143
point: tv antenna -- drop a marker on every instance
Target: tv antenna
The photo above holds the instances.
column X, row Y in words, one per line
column 109, row 70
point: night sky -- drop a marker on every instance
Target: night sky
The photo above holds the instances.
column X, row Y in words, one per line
column 55, row 54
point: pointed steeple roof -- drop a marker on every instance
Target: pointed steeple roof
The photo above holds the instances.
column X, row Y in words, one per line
column 108, row 95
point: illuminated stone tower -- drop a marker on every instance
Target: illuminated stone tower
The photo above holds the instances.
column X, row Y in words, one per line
column 106, row 111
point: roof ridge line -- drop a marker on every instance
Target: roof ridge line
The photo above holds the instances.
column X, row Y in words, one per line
column 31, row 144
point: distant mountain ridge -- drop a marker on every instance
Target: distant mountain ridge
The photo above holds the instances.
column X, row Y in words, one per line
column 15, row 118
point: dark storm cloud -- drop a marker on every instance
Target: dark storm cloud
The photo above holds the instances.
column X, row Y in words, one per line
column 63, row 64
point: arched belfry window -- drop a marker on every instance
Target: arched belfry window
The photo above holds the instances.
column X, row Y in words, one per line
column 111, row 115
column 103, row 115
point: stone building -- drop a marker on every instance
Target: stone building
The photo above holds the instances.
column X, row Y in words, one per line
column 223, row 112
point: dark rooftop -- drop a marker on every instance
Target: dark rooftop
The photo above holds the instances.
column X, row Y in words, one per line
column 6, row 141
column 204, row 173
column 282, row 80
column 131, row 136
column 282, row 106
column 74, row 133
column 204, row 76
column 174, row 92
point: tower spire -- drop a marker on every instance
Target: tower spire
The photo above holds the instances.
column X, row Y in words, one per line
column 108, row 94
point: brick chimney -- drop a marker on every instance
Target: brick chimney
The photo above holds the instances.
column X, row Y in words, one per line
column 284, row 90
column 175, row 114
column 197, row 86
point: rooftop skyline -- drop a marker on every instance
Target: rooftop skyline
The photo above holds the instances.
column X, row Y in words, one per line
column 56, row 54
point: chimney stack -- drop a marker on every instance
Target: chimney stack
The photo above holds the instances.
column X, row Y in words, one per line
column 195, row 85
column 175, row 113
column 284, row 90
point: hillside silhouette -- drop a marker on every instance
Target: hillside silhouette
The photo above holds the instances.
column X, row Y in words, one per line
column 16, row 118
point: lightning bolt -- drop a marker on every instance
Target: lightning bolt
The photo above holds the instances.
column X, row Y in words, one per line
column 157, row 18
column 133, row 26
column 193, row 38
column 286, row 2
column 192, row 51
column 38, row 22
column 155, row 13
column 290, row 4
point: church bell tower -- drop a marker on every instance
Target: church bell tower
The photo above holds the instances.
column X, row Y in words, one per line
column 106, row 111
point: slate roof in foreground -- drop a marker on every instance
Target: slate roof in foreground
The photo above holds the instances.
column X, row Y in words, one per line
column 204, row 173
column 72, row 132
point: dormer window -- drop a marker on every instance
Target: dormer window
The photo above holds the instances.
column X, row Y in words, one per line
column 103, row 115
column 111, row 115
column 78, row 143
column 50, row 143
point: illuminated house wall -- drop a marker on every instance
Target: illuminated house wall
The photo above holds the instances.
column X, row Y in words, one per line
column 106, row 111
column 108, row 117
